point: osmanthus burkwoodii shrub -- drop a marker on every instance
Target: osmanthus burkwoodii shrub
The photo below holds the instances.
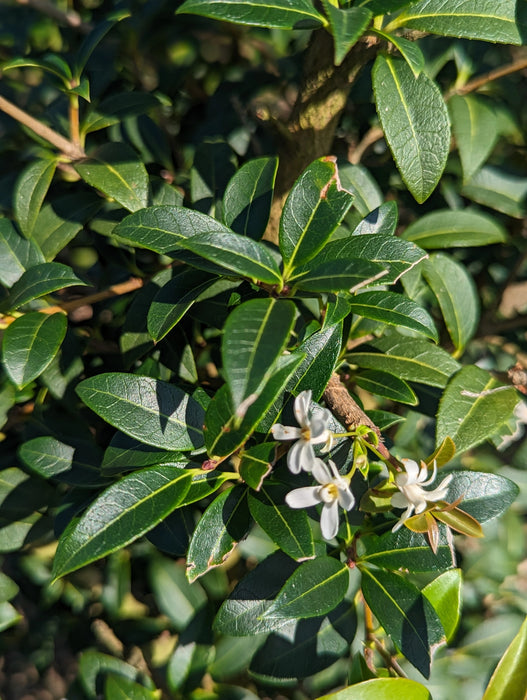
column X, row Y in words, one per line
column 279, row 440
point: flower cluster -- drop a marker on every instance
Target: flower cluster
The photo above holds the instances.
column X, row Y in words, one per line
column 333, row 489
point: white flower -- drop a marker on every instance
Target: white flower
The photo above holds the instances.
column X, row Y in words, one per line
column 313, row 431
column 412, row 495
column 334, row 491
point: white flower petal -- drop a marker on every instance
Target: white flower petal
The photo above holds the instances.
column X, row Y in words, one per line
column 439, row 493
column 420, row 506
column 303, row 498
column 329, row 520
column 407, row 513
column 399, row 500
column 321, row 472
column 285, row 432
column 300, row 457
column 426, row 482
column 346, row 499
column 301, row 407
column 412, row 469
column 318, row 428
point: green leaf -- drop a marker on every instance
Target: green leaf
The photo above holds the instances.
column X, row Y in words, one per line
column 221, row 527
column 243, row 612
column 239, row 255
column 394, row 309
column 448, row 229
column 116, row 170
column 116, row 108
column 314, row 589
column 256, row 464
column 313, row 209
column 484, row 496
column 152, row 411
column 459, row 302
column 382, row 220
column 52, row 459
column 61, row 220
column 498, row 190
column 409, row 50
column 247, row 199
column 30, row 190
column 382, row 689
column 214, row 165
column 92, row 41
column 357, row 180
column 94, row 668
column 233, row 655
column 288, row 529
column 121, row 514
column 125, row 453
column 17, row 254
column 387, row 385
column 335, row 275
column 121, row 688
column 255, row 335
column 404, row 549
column 178, row 599
column 444, row 593
column 415, row 121
column 40, row 280
column 476, row 130
column 9, row 616
column 30, row 343
column 502, row 21
column 473, row 407
column 53, row 64
column 173, row 301
column 381, row 7
column 283, row 14
column 509, row 680
column 411, row 359
column 347, row 26
column 406, row 615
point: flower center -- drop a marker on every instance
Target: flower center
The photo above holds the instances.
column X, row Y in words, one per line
column 305, row 433
column 329, row 493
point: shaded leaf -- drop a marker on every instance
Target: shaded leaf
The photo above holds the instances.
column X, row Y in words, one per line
column 40, row 280
column 296, row 14
column 509, row 680
column 404, row 549
column 498, row 190
column 394, row 309
column 387, row 385
column 476, row 130
column 30, row 190
column 448, row 229
column 256, row 464
column 247, row 199
column 347, row 26
column 16, row 254
column 484, row 496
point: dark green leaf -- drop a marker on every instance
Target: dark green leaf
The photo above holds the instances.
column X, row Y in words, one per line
column 476, row 130
column 357, row 180
column 287, row 528
column 313, row 209
column 116, row 170
column 52, row 459
column 412, row 359
column 121, row 514
column 415, row 121
column 409, row 50
column 117, row 107
column 152, row 411
column 125, row 453
column 382, row 220
column 498, row 190
column 40, row 280
column 52, row 63
column 221, row 527
column 387, row 385
column 448, row 229
column 93, row 39
column 484, row 496
column 255, row 335
column 94, row 667
column 336, row 275
column 503, row 21
column 295, row 14
column 459, row 302
column 347, row 26
column 30, row 190
column 30, row 343
column 180, row 600
column 473, row 407
column 214, row 165
column 394, row 309
column 406, row 550
column 247, row 199
column 406, row 615
column 16, row 254
column 256, row 463
column 314, row 589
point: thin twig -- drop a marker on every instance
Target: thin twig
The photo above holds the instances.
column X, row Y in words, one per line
column 69, row 149
column 370, row 137
column 116, row 290
column 482, row 80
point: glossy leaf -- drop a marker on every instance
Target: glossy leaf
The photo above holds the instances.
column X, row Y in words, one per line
column 347, row 26
column 444, row 593
column 121, row 514
column 415, row 121
column 125, row 453
column 298, row 14
column 289, row 529
column 17, row 254
column 476, row 130
column 222, row 526
column 313, row 209
column 406, row 615
column 335, row 275
column 387, row 385
column 30, row 343
column 509, row 680
column 459, row 521
column 150, row 410
column 256, row 464
column 394, row 309
column 314, row 589
column 498, row 190
column 409, row 50
column 484, row 496
column 448, row 229
column 321, row 351
column 52, row 459
column 40, row 280
column 501, row 21
column 248, row 196
column 255, row 335
column 122, row 688
column 473, row 407
column 382, row 689
column 411, row 359
column 382, row 220
column 458, row 302
column 30, row 190
column 407, row 550
column 116, row 170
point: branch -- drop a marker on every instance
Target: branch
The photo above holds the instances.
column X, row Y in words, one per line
column 69, row 149
column 475, row 84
